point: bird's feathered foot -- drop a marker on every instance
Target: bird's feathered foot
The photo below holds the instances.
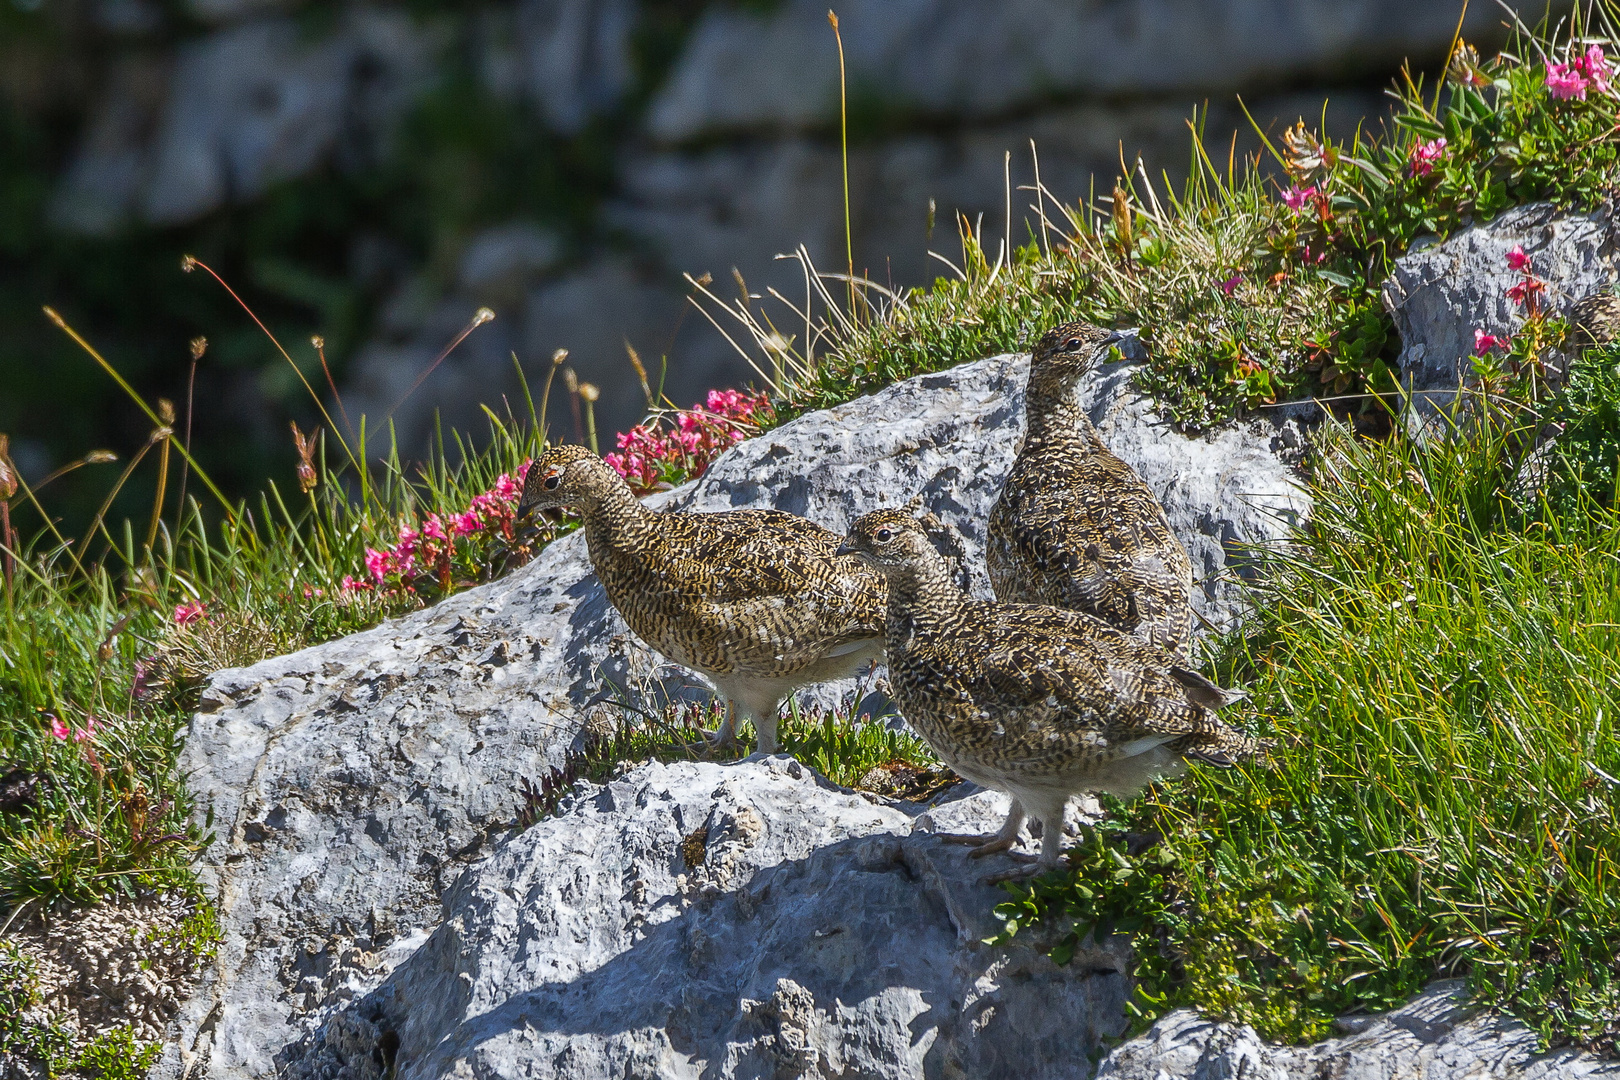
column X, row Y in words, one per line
column 1033, row 868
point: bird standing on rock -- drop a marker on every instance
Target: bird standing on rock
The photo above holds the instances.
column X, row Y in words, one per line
column 1074, row 526
column 754, row 600
column 1036, row 701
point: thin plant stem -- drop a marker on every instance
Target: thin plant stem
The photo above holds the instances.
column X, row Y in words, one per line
column 190, row 261
column 7, row 545
column 197, row 348
column 62, row 324
column 843, row 138
column 557, row 359
column 480, row 317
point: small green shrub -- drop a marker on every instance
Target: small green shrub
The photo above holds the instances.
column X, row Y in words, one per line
column 116, row 1054
column 1587, row 449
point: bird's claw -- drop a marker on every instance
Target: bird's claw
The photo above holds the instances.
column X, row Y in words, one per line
column 985, row 845
column 1033, row 868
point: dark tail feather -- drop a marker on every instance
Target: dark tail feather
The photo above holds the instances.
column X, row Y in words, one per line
column 1200, row 691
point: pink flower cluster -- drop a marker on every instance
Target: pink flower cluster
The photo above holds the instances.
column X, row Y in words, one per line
column 430, row 549
column 186, row 614
column 1424, row 156
column 653, row 455
column 1484, row 343
column 1527, row 290
column 1590, row 71
column 1298, row 198
column 63, row 732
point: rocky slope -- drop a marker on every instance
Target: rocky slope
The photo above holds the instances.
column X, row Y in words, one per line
column 702, row 921
column 350, row 784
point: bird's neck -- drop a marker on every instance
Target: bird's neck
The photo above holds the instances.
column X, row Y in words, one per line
column 614, row 521
column 1055, row 417
column 922, row 598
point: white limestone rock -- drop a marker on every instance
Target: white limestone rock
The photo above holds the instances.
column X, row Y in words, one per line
column 1440, row 293
column 351, row 783
column 1435, row 1036
column 817, row 937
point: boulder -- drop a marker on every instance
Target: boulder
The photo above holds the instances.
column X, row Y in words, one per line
column 695, row 920
column 1440, row 293
column 250, row 104
column 350, row 784
column 744, row 71
column 1435, row 1036
column 576, row 57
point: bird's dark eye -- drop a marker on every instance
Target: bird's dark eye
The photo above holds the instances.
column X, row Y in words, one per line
column 883, row 536
column 550, row 483
column 1071, row 345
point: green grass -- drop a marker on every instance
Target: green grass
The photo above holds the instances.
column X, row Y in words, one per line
column 1439, row 663
column 852, row 751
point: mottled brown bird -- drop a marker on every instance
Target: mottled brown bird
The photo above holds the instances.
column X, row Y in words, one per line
column 1039, row 702
column 1595, row 320
column 754, row 600
column 1074, row 526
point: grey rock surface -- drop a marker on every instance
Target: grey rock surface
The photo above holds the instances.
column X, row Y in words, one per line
column 1436, row 1036
column 1440, row 293
column 816, row 934
column 247, row 105
column 575, row 56
column 746, row 71
column 350, row 783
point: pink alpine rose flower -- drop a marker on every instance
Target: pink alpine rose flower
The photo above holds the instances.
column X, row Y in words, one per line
column 185, row 614
column 1424, row 155
column 1297, row 198
column 1565, row 82
column 1517, row 260
column 1596, row 68
column 1484, row 343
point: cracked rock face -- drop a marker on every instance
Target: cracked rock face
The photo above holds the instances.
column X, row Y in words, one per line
column 350, row 784
column 1436, row 1036
column 695, row 920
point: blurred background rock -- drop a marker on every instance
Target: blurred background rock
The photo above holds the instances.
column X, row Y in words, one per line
column 375, row 172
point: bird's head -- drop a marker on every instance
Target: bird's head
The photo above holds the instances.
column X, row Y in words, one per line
column 1067, row 352
column 888, row 540
column 559, row 477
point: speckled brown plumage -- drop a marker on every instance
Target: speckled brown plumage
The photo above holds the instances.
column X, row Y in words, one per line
column 1074, row 526
column 1595, row 320
column 755, row 600
column 1037, row 701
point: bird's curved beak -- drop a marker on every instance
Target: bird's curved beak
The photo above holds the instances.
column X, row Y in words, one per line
column 525, row 511
column 1114, row 337
column 846, row 548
